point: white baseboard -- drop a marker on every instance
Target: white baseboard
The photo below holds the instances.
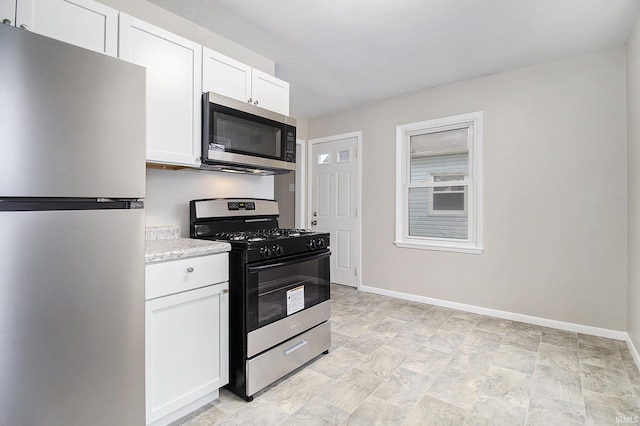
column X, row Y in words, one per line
column 183, row 411
column 633, row 350
column 562, row 325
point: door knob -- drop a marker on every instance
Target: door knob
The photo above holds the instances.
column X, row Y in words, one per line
column 314, row 222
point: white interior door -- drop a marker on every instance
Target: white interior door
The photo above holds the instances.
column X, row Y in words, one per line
column 334, row 202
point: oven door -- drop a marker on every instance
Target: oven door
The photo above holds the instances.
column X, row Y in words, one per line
column 280, row 288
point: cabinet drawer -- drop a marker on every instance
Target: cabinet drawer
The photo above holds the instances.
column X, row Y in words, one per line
column 175, row 276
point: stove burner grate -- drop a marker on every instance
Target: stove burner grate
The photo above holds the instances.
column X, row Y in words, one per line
column 262, row 235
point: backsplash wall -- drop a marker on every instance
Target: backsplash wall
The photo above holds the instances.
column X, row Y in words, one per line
column 169, row 192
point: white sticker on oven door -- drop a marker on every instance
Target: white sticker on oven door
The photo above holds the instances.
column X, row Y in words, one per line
column 295, row 300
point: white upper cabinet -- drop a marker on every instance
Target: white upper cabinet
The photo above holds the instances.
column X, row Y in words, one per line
column 269, row 92
column 226, row 76
column 173, row 90
column 83, row 23
column 8, row 12
column 178, row 69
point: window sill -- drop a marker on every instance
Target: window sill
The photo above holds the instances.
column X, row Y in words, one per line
column 450, row 247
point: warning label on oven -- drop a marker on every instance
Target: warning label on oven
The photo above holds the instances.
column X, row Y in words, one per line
column 295, row 300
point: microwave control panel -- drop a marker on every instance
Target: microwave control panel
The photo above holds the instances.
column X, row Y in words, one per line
column 290, row 146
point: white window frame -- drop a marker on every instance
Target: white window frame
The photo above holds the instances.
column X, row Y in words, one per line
column 432, row 194
column 473, row 203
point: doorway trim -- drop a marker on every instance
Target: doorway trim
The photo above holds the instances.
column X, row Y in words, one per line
column 301, row 189
column 358, row 136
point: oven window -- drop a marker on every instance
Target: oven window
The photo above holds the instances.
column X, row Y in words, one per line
column 235, row 134
column 281, row 290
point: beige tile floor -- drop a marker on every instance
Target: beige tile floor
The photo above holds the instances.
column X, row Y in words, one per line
column 398, row 362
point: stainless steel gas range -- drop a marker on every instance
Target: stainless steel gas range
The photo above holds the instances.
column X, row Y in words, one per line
column 279, row 299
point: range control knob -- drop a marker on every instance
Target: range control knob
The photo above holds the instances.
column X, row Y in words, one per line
column 278, row 250
column 311, row 244
column 266, row 252
column 320, row 243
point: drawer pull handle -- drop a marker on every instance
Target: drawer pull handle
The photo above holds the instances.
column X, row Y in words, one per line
column 190, row 269
column 295, row 347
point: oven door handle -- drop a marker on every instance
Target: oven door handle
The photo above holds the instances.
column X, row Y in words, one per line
column 289, row 261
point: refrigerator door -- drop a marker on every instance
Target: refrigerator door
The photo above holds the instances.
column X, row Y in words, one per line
column 72, row 317
column 73, row 121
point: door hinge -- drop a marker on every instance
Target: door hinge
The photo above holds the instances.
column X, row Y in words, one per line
column 355, row 271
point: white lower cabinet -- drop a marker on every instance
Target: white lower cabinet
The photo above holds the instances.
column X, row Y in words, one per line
column 186, row 337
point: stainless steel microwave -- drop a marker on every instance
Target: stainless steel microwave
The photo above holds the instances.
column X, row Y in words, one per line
column 241, row 137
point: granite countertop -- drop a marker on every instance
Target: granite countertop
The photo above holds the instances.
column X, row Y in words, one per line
column 163, row 243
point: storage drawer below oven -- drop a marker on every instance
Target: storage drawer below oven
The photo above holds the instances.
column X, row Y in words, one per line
column 286, row 357
column 281, row 330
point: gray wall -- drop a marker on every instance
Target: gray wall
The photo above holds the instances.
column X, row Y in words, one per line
column 554, row 192
column 284, row 193
column 633, row 158
column 284, row 184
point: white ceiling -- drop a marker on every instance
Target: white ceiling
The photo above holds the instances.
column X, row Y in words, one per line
column 339, row 54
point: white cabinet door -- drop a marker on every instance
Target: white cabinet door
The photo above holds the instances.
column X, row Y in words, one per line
column 83, row 23
column 186, row 348
column 226, row 76
column 8, row 12
column 269, row 92
column 173, row 90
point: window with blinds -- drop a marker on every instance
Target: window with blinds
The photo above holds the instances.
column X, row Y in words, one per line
column 438, row 184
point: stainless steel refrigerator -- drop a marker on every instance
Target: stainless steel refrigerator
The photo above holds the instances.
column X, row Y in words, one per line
column 72, row 178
